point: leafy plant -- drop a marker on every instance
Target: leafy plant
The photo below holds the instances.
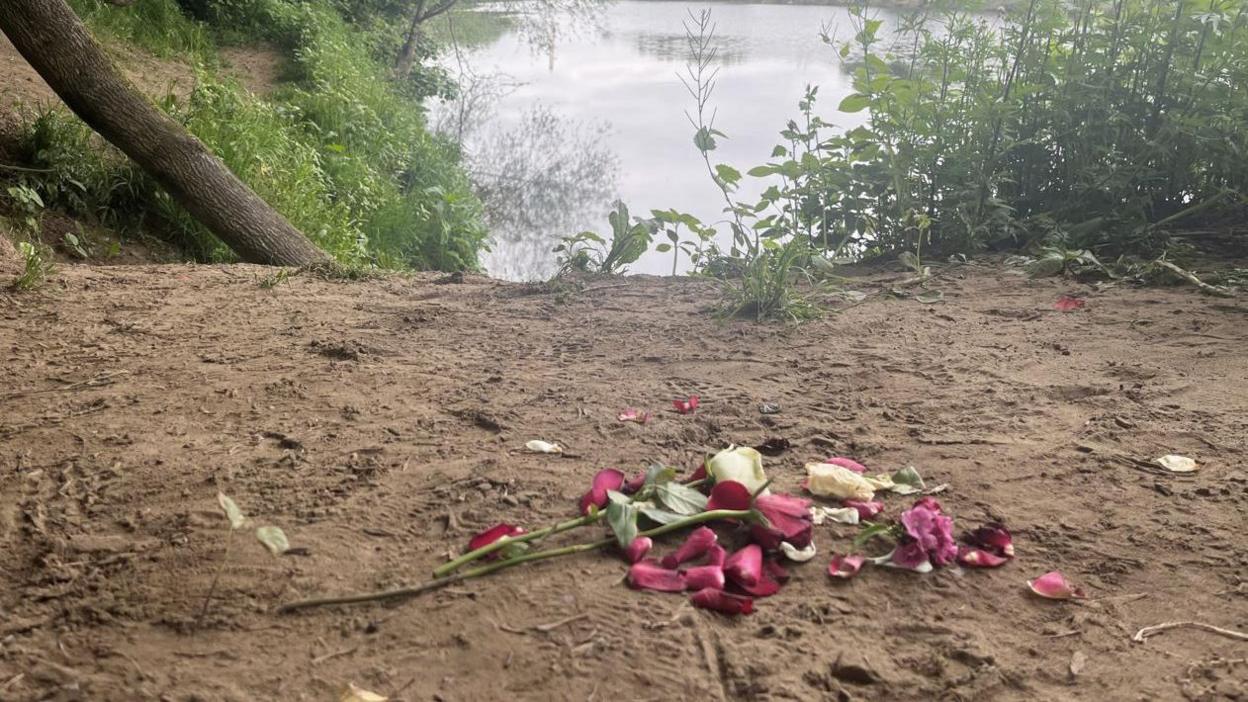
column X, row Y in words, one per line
column 36, row 266
column 271, row 537
column 29, row 207
column 589, row 252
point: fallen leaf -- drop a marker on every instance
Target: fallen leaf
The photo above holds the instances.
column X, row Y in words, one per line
column 274, row 539
column 232, row 512
column 1177, row 464
column 1077, row 661
column 930, row 297
column 1054, row 586
column 539, row 446
column 907, row 481
column 359, row 694
column 1066, row 303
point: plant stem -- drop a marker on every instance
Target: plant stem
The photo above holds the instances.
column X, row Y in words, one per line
column 477, row 554
column 441, row 582
column 225, row 559
column 486, row 550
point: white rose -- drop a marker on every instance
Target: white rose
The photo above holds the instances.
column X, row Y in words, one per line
column 741, row 464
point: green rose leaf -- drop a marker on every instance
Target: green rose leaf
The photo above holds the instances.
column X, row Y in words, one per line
column 907, row 481
column 622, row 518
column 681, row 499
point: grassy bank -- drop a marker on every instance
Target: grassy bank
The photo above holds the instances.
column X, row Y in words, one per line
column 339, row 147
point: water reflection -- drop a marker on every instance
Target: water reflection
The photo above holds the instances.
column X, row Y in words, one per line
column 624, row 74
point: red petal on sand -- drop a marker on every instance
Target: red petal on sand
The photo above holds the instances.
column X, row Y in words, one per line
column 638, row 549
column 845, row 567
column 1054, row 586
column 648, row 575
column 720, row 601
column 745, row 567
column 1066, row 303
column 696, row 545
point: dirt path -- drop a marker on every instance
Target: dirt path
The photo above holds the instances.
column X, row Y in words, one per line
column 379, row 424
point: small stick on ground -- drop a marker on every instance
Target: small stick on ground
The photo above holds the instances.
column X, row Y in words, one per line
column 1143, row 634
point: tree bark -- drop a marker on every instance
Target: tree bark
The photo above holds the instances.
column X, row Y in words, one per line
column 55, row 42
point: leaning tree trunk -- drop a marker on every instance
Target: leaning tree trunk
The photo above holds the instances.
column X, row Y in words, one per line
column 55, row 42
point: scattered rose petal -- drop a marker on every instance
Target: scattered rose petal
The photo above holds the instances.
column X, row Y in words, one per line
column 930, row 503
column 788, row 519
column 740, row 463
column 827, row 480
column 638, row 549
column 232, row 512
column 880, row 482
column 745, row 567
column 634, row 484
column 702, row 577
column 775, row 571
column 841, row 515
column 764, row 587
column 847, row 463
column 686, row 406
column 993, row 537
column 931, row 532
column 722, row 602
column 649, row 575
column 604, row 481
column 716, row 555
column 800, row 555
column 1054, row 586
column 728, row 494
column 910, row 556
column 698, row 473
column 695, row 546
column 489, row 536
column 633, row 414
column 1066, row 303
column 979, row 558
column 539, row 446
column 845, row 567
column 866, row 510
column 1177, row 464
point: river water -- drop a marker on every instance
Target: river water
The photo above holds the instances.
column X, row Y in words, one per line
column 615, row 86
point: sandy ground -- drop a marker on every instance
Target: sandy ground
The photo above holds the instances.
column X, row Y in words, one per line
column 22, row 90
column 381, row 424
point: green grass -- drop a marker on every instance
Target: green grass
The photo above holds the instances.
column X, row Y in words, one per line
column 340, row 149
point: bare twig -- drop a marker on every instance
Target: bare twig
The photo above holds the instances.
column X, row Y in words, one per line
column 1143, row 634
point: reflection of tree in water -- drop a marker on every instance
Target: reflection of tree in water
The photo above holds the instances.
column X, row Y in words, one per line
column 537, row 180
column 675, row 48
column 537, row 177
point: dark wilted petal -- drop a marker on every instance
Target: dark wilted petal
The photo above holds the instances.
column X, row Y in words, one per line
column 696, row 545
column 992, row 537
column 745, row 567
column 720, row 601
column 648, row 575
